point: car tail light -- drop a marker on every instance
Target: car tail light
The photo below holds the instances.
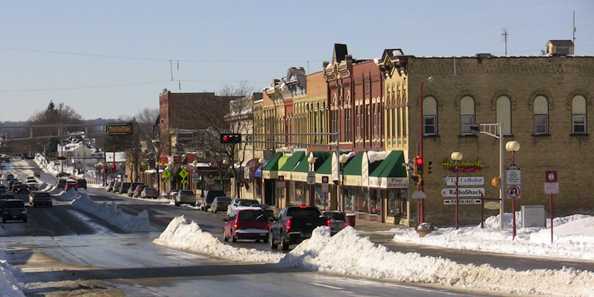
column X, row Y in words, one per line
column 288, row 224
column 236, row 225
column 328, row 222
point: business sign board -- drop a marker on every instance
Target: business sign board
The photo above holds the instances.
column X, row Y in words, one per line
column 463, row 192
column 464, row 181
column 114, row 129
column 464, row 201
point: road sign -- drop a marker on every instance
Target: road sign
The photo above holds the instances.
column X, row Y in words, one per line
column 514, row 192
column 464, row 192
column 119, row 129
column 551, row 188
column 464, row 181
column 311, row 178
column 418, row 195
column 464, row 201
column 513, row 177
column 183, row 173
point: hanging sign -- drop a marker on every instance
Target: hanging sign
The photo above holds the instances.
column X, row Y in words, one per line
column 464, row 192
column 464, row 181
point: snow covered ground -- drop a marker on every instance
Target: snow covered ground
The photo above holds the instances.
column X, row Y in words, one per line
column 574, row 238
column 186, row 235
column 110, row 212
column 350, row 254
column 9, row 287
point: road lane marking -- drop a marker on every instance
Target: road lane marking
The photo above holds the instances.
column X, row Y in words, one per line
column 326, row 286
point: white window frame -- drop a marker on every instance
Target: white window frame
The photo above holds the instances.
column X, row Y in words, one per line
column 541, row 120
column 427, row 115
column 467, row 120
column 432, row 126
column 576, row 118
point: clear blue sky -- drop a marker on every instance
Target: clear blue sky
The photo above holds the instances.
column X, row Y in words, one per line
column 224, row 42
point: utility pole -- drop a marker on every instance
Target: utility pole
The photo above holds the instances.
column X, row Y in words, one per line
column 573, row 31
column 505, row 35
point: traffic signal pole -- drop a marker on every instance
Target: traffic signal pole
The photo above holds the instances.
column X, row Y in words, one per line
column 421, row 203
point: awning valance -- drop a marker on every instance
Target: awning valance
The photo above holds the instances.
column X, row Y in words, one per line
column 390, row 173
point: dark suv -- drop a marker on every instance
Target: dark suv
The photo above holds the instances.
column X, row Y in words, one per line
column 293, row 225
column 13, row 209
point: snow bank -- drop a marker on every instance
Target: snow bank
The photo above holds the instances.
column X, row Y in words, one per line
column 349, row 254
column 9, row 287
column 187, row 235
column 109, row 212
column 574, row 238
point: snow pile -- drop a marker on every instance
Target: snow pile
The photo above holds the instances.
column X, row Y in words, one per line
column 348, row 254
column 110, row 212
column 187, row 235
column 9, row 287
column 574, row 238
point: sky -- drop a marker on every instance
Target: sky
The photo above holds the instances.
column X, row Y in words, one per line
column 112, row 58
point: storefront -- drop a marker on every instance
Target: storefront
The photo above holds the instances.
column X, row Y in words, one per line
column 269, row 176
column 294, row 193
column 389, row 182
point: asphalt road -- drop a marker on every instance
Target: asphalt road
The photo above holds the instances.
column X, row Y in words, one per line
column 63, row 252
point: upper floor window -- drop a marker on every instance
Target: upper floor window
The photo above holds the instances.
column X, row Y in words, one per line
column 578, row 115
column 467, row 116
column 429, row 116
column 541, row 115
column 504, row 114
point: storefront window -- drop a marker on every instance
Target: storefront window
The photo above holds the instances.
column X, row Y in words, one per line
column 375, row 202
column 300, row 191
column 397, row 203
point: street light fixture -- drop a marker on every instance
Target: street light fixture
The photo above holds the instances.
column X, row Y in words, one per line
column 342, row 159
column 513, row 147
column 457, row 157
column 311, row 160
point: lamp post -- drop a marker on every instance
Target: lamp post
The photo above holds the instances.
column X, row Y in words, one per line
column 312, row 198
column 225, row 162
column 342, row 159
column 513, row 147
column 457, row 157
column 157, row 148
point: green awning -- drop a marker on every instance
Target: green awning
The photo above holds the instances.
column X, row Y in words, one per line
column 391, row 166
column 272, row 164
column 321, row 158
column 326, row 167
column 292, row 161
column 353, row 166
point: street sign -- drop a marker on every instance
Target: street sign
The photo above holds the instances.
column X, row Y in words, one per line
column 492, row 205
column 514, row 192
column 324, row 184
column 464, row 181
column 551, row 188
column 418, row 195
column 464, row 192
column 465, row 201
column 513, row 177
column 183, row 173
column 311, row 178
column 119, row 129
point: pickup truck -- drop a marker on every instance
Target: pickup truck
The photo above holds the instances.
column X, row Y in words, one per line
column 293, row 225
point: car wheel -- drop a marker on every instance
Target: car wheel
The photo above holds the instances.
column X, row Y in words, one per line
column 273, row 245
column 284, row 245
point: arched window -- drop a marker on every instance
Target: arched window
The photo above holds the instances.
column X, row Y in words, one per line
column 579, row 115
column 504, row 114
column 430, row 127
column 467, row 116
column 541, row 115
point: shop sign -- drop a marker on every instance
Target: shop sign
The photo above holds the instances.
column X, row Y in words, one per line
column 311, row 178
column 463, row 166
column 464, row 192
column 461, row 201
column 464, row 181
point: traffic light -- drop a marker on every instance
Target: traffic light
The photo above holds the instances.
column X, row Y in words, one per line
column 419, row 162
column 429, row 165
column 230, row 138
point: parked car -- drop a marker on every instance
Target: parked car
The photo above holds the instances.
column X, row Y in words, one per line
column 3, row 189
column 10, row 176
column 116, row 187
column 247, row 224
column 22, row 193
column 336, row 220
column 124, row 186
column 185, row 197
column 238, row 204
column 149, row 192
column 293, row 225
column 219, row 204
column 82, row 183
column 132, row 188
column 71, row 185
column 13, row 209
column 209, row 196
column 40, row 199
column 138, row 191
column 110, row 186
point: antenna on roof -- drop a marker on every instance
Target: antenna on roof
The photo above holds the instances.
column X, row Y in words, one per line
column 573, row 30
column 505, row 35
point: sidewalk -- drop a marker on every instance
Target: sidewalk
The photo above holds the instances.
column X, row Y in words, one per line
column 380, row 233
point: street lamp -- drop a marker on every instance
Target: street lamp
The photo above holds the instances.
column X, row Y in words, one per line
column 513, row 147
column 421, row 203
column 342, row 159
column 457, row 157
column 157, row 148
column 312, row 198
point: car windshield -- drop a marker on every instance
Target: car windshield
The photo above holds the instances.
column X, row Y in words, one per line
column 339, row 216
column 252, row 215
column 298, row 212
column 248, row 202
